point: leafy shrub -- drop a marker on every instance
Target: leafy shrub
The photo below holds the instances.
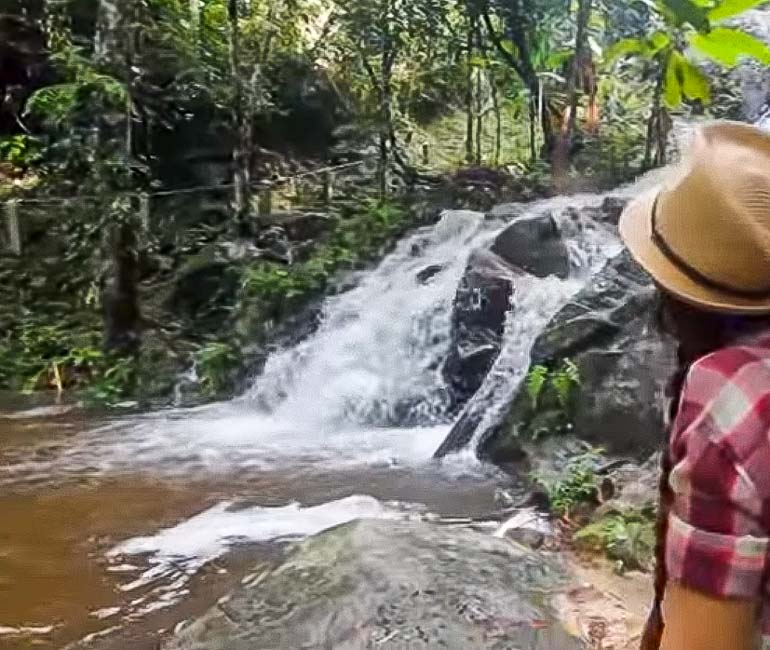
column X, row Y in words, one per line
column 20, row 151
column 565, row 382
column 577, row 485
column 214, row 363
column 626, row 537
column 358, row 237
column 63, row 356
column 536, row 382
column 552, row 391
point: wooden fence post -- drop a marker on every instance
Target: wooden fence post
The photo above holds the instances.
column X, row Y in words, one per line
column 144, row 212
column 328, row 186
column 265, row 203
column 14, row 229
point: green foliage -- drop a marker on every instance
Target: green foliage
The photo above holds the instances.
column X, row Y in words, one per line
column 63, row 356
column 728, row 46
column 577, row 485
column 20, row 150
column 357, row 237
column 536, row 382
column 627, row 537
column 214, row 363
column 86, row 93
column 687, row 23
column 730, row 8
column 564, row 381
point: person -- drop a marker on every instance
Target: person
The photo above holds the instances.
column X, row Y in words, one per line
column 704, row 237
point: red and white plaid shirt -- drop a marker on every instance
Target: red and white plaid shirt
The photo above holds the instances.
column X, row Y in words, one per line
column 719, row 526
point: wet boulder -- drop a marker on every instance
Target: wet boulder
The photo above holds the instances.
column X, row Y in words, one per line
column 479, row 314
column 390, row 585
column 428, row 273
column 609, row 331
column 535, row 245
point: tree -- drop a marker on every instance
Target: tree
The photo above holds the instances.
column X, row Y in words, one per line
column 518, row 30
column 240, row 168
column 683, row 30
column 380, row 33
column 581, row 61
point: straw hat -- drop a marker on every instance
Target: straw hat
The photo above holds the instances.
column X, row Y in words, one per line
column 704, row 235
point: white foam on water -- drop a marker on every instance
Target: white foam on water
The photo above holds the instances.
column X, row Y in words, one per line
column 173, row 555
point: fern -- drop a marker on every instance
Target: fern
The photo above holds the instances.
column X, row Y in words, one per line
column 565, row 381
column 536, row 382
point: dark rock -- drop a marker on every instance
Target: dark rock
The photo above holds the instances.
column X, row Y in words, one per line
column 201, row 287
column 609, row 330
column 507, row 211
column 612, row 207
column 535, row 245
column 302, row 226
column 526, row 537
column 429, row 272
column 274, row 245
column 481, row 305
column 478, row 188
column 391, row 585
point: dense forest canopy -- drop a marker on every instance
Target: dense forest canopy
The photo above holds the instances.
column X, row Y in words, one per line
column 107, row 107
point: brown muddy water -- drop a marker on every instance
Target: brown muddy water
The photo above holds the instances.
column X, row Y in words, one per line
column 74, row 488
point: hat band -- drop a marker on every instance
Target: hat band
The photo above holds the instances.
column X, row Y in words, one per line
column 694, row 274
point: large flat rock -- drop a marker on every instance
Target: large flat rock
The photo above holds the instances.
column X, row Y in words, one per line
column 389, row 584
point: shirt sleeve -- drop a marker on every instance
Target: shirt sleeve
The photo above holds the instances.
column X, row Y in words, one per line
column 716, row 542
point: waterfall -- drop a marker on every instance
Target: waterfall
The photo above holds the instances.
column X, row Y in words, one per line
column 376, row 358
column 366, row 388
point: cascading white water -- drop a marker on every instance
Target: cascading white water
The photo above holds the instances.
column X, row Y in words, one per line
column 337, row 398
column 379, row 348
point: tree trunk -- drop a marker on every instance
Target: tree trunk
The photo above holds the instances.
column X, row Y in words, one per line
column 523, row 64
column 120, row 300
column 108, row 18
column 240, row 171
column 533, row 128
column 562, row 152
column 469, row 90
column 479, row 117
column 479, row 96
column 195, row 23
column 387, row 133
column 653, row 123
column 498, row 119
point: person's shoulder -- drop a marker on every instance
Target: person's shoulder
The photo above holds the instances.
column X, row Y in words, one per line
column 728, row 393
column 748, row 365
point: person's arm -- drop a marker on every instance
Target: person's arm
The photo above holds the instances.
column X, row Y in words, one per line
column 716, row 547
column 697, row 621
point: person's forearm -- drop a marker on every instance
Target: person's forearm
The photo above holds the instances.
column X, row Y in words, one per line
column 696, row 621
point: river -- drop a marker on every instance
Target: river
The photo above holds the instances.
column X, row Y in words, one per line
column 117, row 527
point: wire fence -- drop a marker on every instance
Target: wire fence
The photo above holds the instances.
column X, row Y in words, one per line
column 26, row 217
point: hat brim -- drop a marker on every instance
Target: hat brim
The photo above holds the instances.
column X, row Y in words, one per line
column 636, row 231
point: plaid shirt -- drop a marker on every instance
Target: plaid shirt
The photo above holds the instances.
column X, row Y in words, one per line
column 719, row 523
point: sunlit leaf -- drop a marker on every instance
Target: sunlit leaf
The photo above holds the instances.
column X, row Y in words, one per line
column 686, row 11
column 729, row 8
column 729, row 46
column 559, row 58
column 625, row 47
column 479, row 61
column 695, row 84
column 646, row 47
column 674, row 80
